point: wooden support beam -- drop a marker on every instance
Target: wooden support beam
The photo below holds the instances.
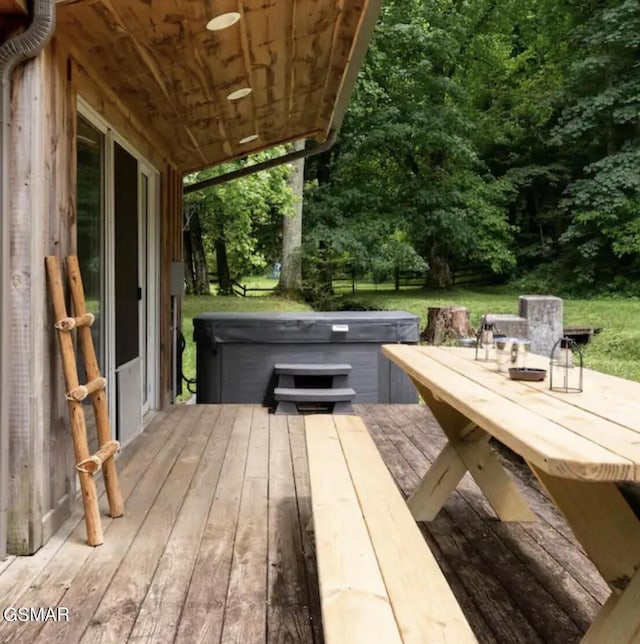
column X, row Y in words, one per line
column 468, row 448
column 602, row 521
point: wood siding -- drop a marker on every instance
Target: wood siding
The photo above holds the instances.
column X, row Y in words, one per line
column 43, row 222
column 42, row 213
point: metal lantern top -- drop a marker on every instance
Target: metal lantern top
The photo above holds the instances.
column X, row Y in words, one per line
column 564, row 374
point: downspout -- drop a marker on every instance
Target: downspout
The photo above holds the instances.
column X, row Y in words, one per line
column 12, row 53
column 264, row 165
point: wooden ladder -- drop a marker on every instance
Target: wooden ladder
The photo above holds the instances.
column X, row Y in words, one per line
column 86, row 464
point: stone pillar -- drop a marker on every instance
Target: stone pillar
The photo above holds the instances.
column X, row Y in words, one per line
column 544, row 314
column 512, row 326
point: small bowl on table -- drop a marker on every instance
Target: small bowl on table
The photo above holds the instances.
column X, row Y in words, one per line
column 529, row 374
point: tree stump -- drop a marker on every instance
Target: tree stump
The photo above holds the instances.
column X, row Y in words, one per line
column 447, row 323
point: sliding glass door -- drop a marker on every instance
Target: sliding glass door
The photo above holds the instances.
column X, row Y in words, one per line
column 91, row 228
column 116, row 246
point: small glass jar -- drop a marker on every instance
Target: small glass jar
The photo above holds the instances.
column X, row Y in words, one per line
column 511, row 353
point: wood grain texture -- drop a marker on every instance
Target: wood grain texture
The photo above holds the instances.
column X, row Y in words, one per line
column 287, row 595
column 542, row 442
column 515, row 582
column 471, row 447
column 355, row 603
column 246, row 607
column 139, row 486
column 424, row 606
column 605, row 419
column 602, row 521
column 203, row 612
column 173, row 75
column 13, row 6
column 160, row 611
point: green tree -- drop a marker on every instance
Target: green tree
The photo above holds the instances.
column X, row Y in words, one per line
column 601, row 119
column 241, row 220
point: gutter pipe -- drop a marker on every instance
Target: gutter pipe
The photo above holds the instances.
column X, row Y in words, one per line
column 13, row 52
column 264, row 165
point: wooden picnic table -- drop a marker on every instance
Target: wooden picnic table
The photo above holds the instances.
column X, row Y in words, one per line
column 579, row 445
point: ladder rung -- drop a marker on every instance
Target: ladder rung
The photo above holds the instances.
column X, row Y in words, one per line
column 94, row 463
column 68, row 324
column 81, row 392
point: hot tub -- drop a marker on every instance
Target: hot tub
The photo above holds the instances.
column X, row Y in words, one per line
column 236, row 352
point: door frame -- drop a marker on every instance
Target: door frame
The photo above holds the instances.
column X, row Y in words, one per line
column 152, row 337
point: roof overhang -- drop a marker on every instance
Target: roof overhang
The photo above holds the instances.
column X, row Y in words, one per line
column 299, row 57
column 13, row 7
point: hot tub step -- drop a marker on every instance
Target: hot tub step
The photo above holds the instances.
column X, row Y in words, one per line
column 312, row 369
column 339, row 399
column 314, row 395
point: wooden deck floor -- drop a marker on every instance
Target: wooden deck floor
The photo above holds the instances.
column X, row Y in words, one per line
column 213, row 547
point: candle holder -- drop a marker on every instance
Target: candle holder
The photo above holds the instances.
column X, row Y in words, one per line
column 485, row 341
column 565, row 374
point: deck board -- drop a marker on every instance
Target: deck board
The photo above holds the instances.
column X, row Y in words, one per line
column 214, row 545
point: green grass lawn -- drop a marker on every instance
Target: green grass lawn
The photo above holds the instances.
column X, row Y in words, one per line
column 616, row 350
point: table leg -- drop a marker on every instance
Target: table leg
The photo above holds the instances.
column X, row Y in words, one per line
column 619, row 620
column 609, row 531
column 468, row 450
column 603, row 523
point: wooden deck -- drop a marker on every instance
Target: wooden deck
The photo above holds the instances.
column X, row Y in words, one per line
column 213, row 547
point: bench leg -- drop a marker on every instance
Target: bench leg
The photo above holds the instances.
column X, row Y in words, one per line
column 468, row 450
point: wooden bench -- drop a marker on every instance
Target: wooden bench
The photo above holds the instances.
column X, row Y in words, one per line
column 379, row 582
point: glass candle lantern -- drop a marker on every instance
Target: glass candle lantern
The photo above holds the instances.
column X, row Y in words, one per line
column 565, row 367
column 485, row 341
column 511, row 353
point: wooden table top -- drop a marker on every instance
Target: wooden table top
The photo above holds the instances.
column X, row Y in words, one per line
column 593, row 435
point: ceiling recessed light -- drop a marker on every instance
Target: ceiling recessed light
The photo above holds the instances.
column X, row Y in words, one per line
column 248, row 139
column 239, row 93
column 223, row 21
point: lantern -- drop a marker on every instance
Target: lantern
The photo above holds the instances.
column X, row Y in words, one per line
column 485, row 341
column 565, row 375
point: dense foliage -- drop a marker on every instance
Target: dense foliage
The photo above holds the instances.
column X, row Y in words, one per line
column 503, row 134
column 234, row 229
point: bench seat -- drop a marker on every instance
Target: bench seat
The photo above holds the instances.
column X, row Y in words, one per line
column 379, row 582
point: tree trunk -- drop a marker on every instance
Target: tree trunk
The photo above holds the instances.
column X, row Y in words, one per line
column 188, row 260
column 201, row 272
column 225, row 285
column 447, row 323
column 291, row 274
column 439, row 270
column 396, row 278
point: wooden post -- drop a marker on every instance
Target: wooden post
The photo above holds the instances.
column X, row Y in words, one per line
column 98, row 396
column 76, row 413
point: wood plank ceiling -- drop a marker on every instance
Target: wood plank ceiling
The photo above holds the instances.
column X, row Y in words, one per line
column 175, row 75
column 13, row 6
